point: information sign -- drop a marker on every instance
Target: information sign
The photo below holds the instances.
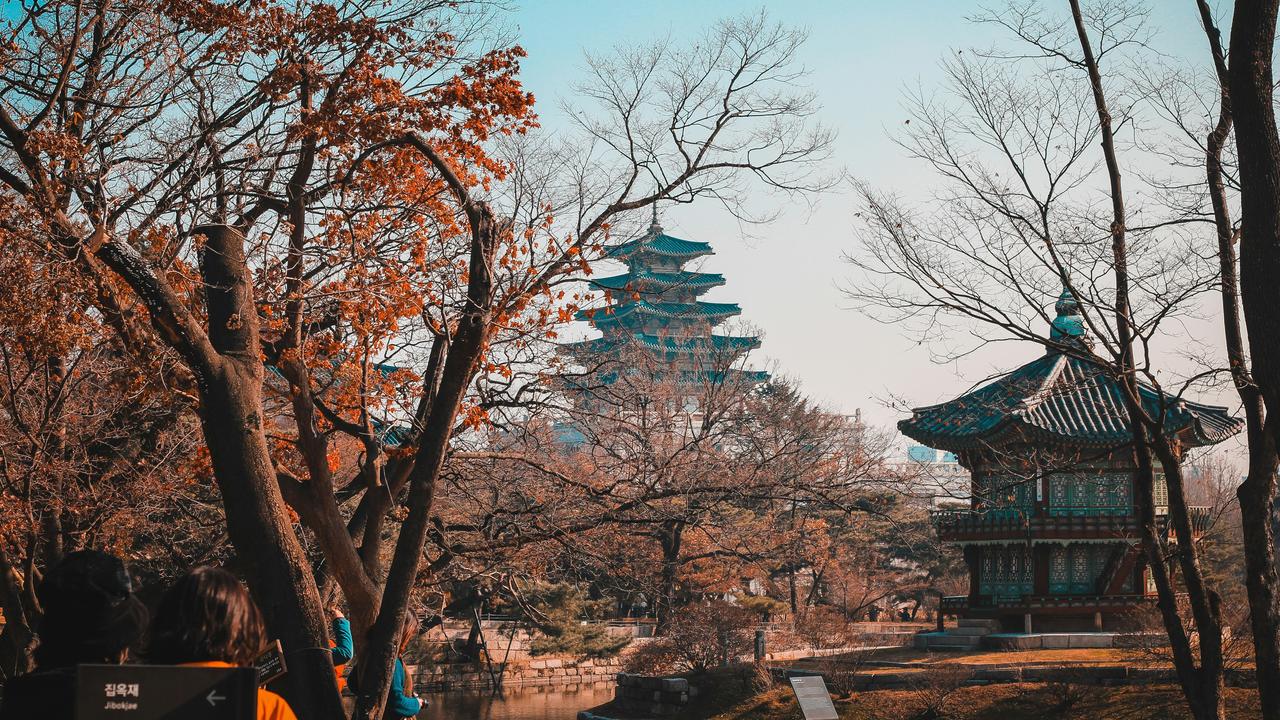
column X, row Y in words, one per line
column 270, row 664
column 813, row 698
column 165, row 692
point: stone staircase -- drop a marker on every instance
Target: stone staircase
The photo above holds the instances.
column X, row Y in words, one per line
column 967, row 635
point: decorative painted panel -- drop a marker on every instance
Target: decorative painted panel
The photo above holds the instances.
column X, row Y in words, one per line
column 1123, row 493
column 1007, row 571
column 1161, row 492
column 1027, row 577
column 1079, row 496
column 1006, row 496
column 1105, row 494
column 1101, row 487
column 1076, row 568
column 1058, row 491
column 1059, row 579
column 1080, row 557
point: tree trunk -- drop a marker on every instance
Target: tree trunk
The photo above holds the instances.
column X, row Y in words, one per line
column 1253, row 30
column 461, row 360
column 1202, row 686
column 1257, row 501
column 1203, row 600
column 231, row 416
column 670, row 539
column 15, row 641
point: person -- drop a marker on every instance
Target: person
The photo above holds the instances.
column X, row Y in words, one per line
column 207, row 619
column 402, row 703
column 90, row 616
column 342, row 647
column 401, row 700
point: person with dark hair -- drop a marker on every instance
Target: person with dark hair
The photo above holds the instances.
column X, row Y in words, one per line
column 207, row 619
column 90, row 616
column 402, row 703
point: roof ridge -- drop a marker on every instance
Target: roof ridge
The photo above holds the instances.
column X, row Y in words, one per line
column 1037, row 396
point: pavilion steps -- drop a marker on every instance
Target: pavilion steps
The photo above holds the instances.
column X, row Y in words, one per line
column 966, row 636
column 991, row 626
column 973, row 631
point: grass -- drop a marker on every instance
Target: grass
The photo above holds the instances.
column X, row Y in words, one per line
column 1028, row 701
column 911, row 656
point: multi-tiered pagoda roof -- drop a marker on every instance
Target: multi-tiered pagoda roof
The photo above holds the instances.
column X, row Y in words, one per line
column 654, row 306
column 1063, row 399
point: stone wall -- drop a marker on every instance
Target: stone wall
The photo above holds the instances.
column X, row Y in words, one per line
column 525, row 671
column 650, row 696
column 510, row 641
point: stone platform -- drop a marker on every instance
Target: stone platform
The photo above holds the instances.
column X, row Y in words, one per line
column 962, row 639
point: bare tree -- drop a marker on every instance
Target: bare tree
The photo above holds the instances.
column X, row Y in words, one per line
column 1019, row 218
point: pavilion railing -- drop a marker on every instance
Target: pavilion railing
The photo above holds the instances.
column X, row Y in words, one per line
column 960, row 523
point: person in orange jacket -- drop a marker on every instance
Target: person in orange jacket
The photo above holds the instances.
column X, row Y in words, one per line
column 207, row 619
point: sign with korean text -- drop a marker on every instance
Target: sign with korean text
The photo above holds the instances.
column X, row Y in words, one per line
column 270, row 664
column 165, row 692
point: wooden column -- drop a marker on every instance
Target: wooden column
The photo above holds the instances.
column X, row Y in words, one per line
column 1040, row 558
column 973, row 558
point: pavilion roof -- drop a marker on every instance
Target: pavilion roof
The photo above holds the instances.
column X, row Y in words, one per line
column 1060, row 399
column 713, row 343
column 668, row 310
column 663, row 280
column 659, row 243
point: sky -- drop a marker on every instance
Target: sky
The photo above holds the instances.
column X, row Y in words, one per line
column 862, row 55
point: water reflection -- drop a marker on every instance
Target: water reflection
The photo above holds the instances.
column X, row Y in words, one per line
column 529, row 702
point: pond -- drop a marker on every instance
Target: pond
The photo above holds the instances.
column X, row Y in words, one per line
column 528, row 702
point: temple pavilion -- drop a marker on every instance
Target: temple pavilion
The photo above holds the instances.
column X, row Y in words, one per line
column 1051, row 536
column 654, row 308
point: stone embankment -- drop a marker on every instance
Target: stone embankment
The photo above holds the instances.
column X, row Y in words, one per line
column 647, row 696
column 507, row 655
column 526, row 671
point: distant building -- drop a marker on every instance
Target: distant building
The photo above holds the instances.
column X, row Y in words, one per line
column 1050, row 535
column 929, row 475
column 654, row 310
column 922, row 454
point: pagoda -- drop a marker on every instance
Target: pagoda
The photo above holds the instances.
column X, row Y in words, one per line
column 1051, row 537
column 654, row 308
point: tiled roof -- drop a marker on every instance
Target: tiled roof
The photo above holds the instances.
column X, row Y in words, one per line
column 660, row 244
column 667, row 344
column 1059, row 399
column 663, row 281
column 683, row 311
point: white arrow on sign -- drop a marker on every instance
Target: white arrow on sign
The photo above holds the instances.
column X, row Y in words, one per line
column 214, row 698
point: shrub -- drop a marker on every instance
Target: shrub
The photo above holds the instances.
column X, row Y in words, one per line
column 824, row 628
column 699, row 637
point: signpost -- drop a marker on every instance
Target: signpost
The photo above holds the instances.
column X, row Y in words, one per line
column 165, row 692
column 813, row 698
column 270, row 664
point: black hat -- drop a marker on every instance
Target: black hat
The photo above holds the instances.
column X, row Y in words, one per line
column 90, row 611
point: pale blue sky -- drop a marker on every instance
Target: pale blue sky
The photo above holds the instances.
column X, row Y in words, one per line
column 862, row 55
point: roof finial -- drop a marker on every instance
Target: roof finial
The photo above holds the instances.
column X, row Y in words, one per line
column 654, row 227
column 1069, row 324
